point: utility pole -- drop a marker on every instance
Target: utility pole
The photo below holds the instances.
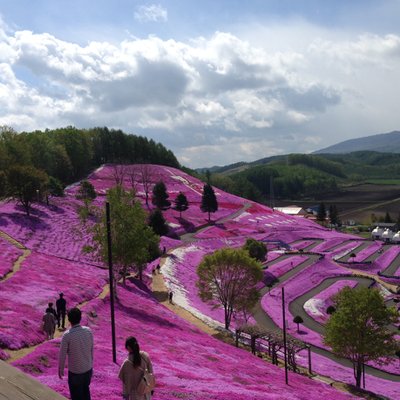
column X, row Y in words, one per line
column 284, row 335
column 110, row 274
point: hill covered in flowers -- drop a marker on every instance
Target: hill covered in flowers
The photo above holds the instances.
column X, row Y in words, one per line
column 188, row 363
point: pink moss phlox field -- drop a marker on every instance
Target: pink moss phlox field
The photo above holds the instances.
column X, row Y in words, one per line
column 9, row 253
column 301, row 244
column 4, row 355
column 187, row 362
column 25, row 295
column 316, row 306
column 60, row 222
column 368, row 251
column 278, row 268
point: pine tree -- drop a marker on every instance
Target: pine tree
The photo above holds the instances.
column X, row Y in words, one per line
column 209, row 202
column 321, row 212
column 160, row 196
column 157, row 223
column 181, row 203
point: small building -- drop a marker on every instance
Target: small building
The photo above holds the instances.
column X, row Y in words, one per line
column 377, row 233
column 387, row 235
column 292, row 210
column 396, row 237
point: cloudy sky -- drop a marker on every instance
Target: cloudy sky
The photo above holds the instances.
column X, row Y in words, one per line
column 216, row 81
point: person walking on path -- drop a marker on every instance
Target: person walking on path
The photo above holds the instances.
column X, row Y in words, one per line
column 170, row 296
column 52, row 310
column 49, row 323
column 61, row 306
column 77, row 343
column 132, row 370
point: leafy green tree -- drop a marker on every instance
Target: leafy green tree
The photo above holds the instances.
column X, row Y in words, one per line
column 157, row 223
column 3, row 184
column 181, row 204
column 256, row 249
column 298, row 320
column 55, row 187
column 209, row 202
column 26, row 184
column 358, row 329
column 160, row 196
column 321, row 215
column 228, row 277
column 87, row 194
column 133, row 242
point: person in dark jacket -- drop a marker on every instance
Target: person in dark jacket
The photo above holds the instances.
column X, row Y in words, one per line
column 61, row 306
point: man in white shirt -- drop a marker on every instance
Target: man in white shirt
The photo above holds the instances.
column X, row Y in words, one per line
column 77, row 343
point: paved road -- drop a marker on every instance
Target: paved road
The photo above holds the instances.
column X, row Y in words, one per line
column 266, row 322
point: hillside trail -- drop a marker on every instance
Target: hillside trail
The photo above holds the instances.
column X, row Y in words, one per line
column 17, row 264
column 160, row 292
column 20, row 353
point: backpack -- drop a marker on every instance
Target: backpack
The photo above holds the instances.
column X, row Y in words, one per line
column 147, row 382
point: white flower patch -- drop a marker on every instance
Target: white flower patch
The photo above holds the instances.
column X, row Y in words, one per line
column 172, row 225
column 242, row 215
column 180, row 293
column 314, row 307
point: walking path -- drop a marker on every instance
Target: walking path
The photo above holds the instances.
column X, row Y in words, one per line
column 17, row 264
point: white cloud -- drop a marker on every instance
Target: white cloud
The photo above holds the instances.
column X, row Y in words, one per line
column 152, row 13
column 212, row 100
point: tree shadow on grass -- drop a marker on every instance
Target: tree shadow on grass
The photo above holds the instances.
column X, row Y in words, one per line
column 145, row 317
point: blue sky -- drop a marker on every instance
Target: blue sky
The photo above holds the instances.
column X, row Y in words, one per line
column 217, row 82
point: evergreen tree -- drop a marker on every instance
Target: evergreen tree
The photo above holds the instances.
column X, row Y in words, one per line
column 388, row 218
column 181, row 204
column 321, row 215
column 209, row 202
column 160, row 196
column 358, row 329
column 157, row 223
column 333, row 215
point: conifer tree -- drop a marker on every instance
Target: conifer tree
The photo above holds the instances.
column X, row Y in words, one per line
column 209, row 202
column 181, row 204
column 157, row 223
column 160, row 196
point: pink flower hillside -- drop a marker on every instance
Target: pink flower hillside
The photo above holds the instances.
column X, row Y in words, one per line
column 316, row 306
column 9, row 253
column 54, row 230
column 25, row 295
column 187, row 363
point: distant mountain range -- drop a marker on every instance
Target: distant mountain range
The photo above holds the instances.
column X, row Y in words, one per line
column 383, row 142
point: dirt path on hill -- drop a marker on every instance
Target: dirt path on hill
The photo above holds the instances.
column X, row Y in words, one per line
column 20, row 353
column 17, row 264
column 160, row 292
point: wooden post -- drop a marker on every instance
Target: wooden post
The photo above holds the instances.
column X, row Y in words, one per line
column 309, row 360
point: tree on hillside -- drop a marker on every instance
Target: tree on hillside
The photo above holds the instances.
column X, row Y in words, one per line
column 228, row 277
column 133, row 242
column 3, row 184
column 86, row 192
column 256, row 249
column 321, row 215
column 298, row 320
column 157, row 223
column 181, row 203
column 358, row 329
column 146, row 178
column 160, row 196
column 209, row 202
column 26, row 184
column 333, row 215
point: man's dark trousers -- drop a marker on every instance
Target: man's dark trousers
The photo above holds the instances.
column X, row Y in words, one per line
column 79, row 385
